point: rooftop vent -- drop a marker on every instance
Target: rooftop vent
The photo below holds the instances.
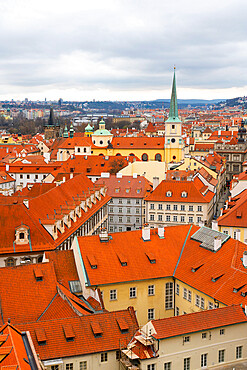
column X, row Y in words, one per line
column 161, row 232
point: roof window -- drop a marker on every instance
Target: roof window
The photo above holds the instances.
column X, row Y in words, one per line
column 194, row 269
column 69, row 332
column 151, row 257
column 235, row 290
column 123, row 260
column 123, row 325
column 38, row 273
column 184, row 194
column 168, row 193
column 41, row 336
column 97, row 331
column 216, row 277
column 92, row 261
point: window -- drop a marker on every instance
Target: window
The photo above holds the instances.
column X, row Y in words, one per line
column 111, row 229
column 168, row 207
column 128, row 220
column 159, row 217
column 151, row 217
column 210, row 305
column 69, row 366
column 10, row 262
column 151, row 314
column 120, row 229
column 113, row 295
column 137, row 220
column 21, row 176
column 182, row 219
column 169, row 296
column 111, row 218
column 189, row 295
column 190, row 219
column 167, row 366
column 175, row 218
column 120, row 210
column 111, row 209
column 177, row 311
column 202, row 303
column 151, row 290
column 187, row 363
column 168, row 218
column 199, row 208
column 118, row 354
column 133, row 292
column 239, row 352
column 137, row 210
column 54, row 367
column 128, row 210
column 175, row 207
column 221, row 355
column 120, row 219
column 187, row 339
column 197, row 300
column 225, row 232
column 168, row 193
column 103, row 357
column 151, row 367
column 160, row 206
column 182, row 207
column 183, row 194
column 36, row 177
column 222, row 331
column 199, row 219
column 177, row 289
column 83, row 365
column 185, row 293
column 21, row 236
column 120, row 201
column 204, row 358
column 190, row 208
column 151, row 206
column 137, row 201
column 204, row 335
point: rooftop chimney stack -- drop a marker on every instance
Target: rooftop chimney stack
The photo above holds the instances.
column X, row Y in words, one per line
column 161, row 232
column 217, row 243
column 215, row 225
column 156, row 181
column 146, row 233
column 64, row 179
column 245, row 259
column 71, row 176
column 103, row 235
column 238, row 234
column 7, row 167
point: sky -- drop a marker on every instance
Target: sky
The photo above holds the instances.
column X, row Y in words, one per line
column 122, row 49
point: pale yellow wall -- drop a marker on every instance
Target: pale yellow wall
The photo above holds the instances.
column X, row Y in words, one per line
column 143, row 302
column 230, row 231
column 148, row 169
column 174, row 350
column 93, row 362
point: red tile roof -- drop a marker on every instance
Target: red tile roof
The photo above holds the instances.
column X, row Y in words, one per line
column 236, row 216
column 85, row 342
column 198, row 321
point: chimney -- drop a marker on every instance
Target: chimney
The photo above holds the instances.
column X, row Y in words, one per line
column 237, row 234
column 26, row 203
column 156, row 181
column 217, row 243
column 245, row 259
column 215, row 225
column 71, row 176
column 161, row 232
column 146, row 233
column 103, row 235
column 118, row 175
column 134, row 175
column 229, row 198
column 201, row 223
column 7, row 167
column 64, row 179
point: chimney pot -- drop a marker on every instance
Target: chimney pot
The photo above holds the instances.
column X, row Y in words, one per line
column 245, row 259
column 217, row 243
column 161, row 232
column 156, row 181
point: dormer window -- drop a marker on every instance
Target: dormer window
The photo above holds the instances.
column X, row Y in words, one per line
column 169, row 193
column 21, row 235
column 184, row 194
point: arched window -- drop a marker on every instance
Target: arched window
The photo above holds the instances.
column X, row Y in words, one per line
column 10, row 262
column 158, row 157
column 118, row 154
column 173, row 140
column 101, row 142
column 101, row 154
column 174, row 157
column 144, row 157
column 21, row 236
column 132, row 154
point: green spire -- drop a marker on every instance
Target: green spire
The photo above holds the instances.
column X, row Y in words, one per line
column 71, row 131
column 173, row 112
column 65, row 132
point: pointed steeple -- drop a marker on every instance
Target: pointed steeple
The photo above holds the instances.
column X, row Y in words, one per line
column 65, row 132
column 51, row 120
column 71, row 131
column 173, row 112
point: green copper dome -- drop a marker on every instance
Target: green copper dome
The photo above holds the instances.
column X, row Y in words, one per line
column 102, row 131
column 88, row 128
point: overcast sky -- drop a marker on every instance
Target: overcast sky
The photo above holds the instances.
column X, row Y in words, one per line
column 122, row 49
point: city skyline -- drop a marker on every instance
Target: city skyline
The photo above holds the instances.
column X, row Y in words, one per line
column 122, row 50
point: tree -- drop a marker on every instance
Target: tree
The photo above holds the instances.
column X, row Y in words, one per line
column 116, row 165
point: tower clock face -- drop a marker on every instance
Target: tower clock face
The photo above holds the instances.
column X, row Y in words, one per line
column 173, row 140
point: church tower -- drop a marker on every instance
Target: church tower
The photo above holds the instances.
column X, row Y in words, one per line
column 174, row 144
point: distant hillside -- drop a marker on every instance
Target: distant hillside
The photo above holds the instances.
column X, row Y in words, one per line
column 242, row 101
column 192, row 102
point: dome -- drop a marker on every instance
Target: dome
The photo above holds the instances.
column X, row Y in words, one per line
column 88, row 128
column 103, row 132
